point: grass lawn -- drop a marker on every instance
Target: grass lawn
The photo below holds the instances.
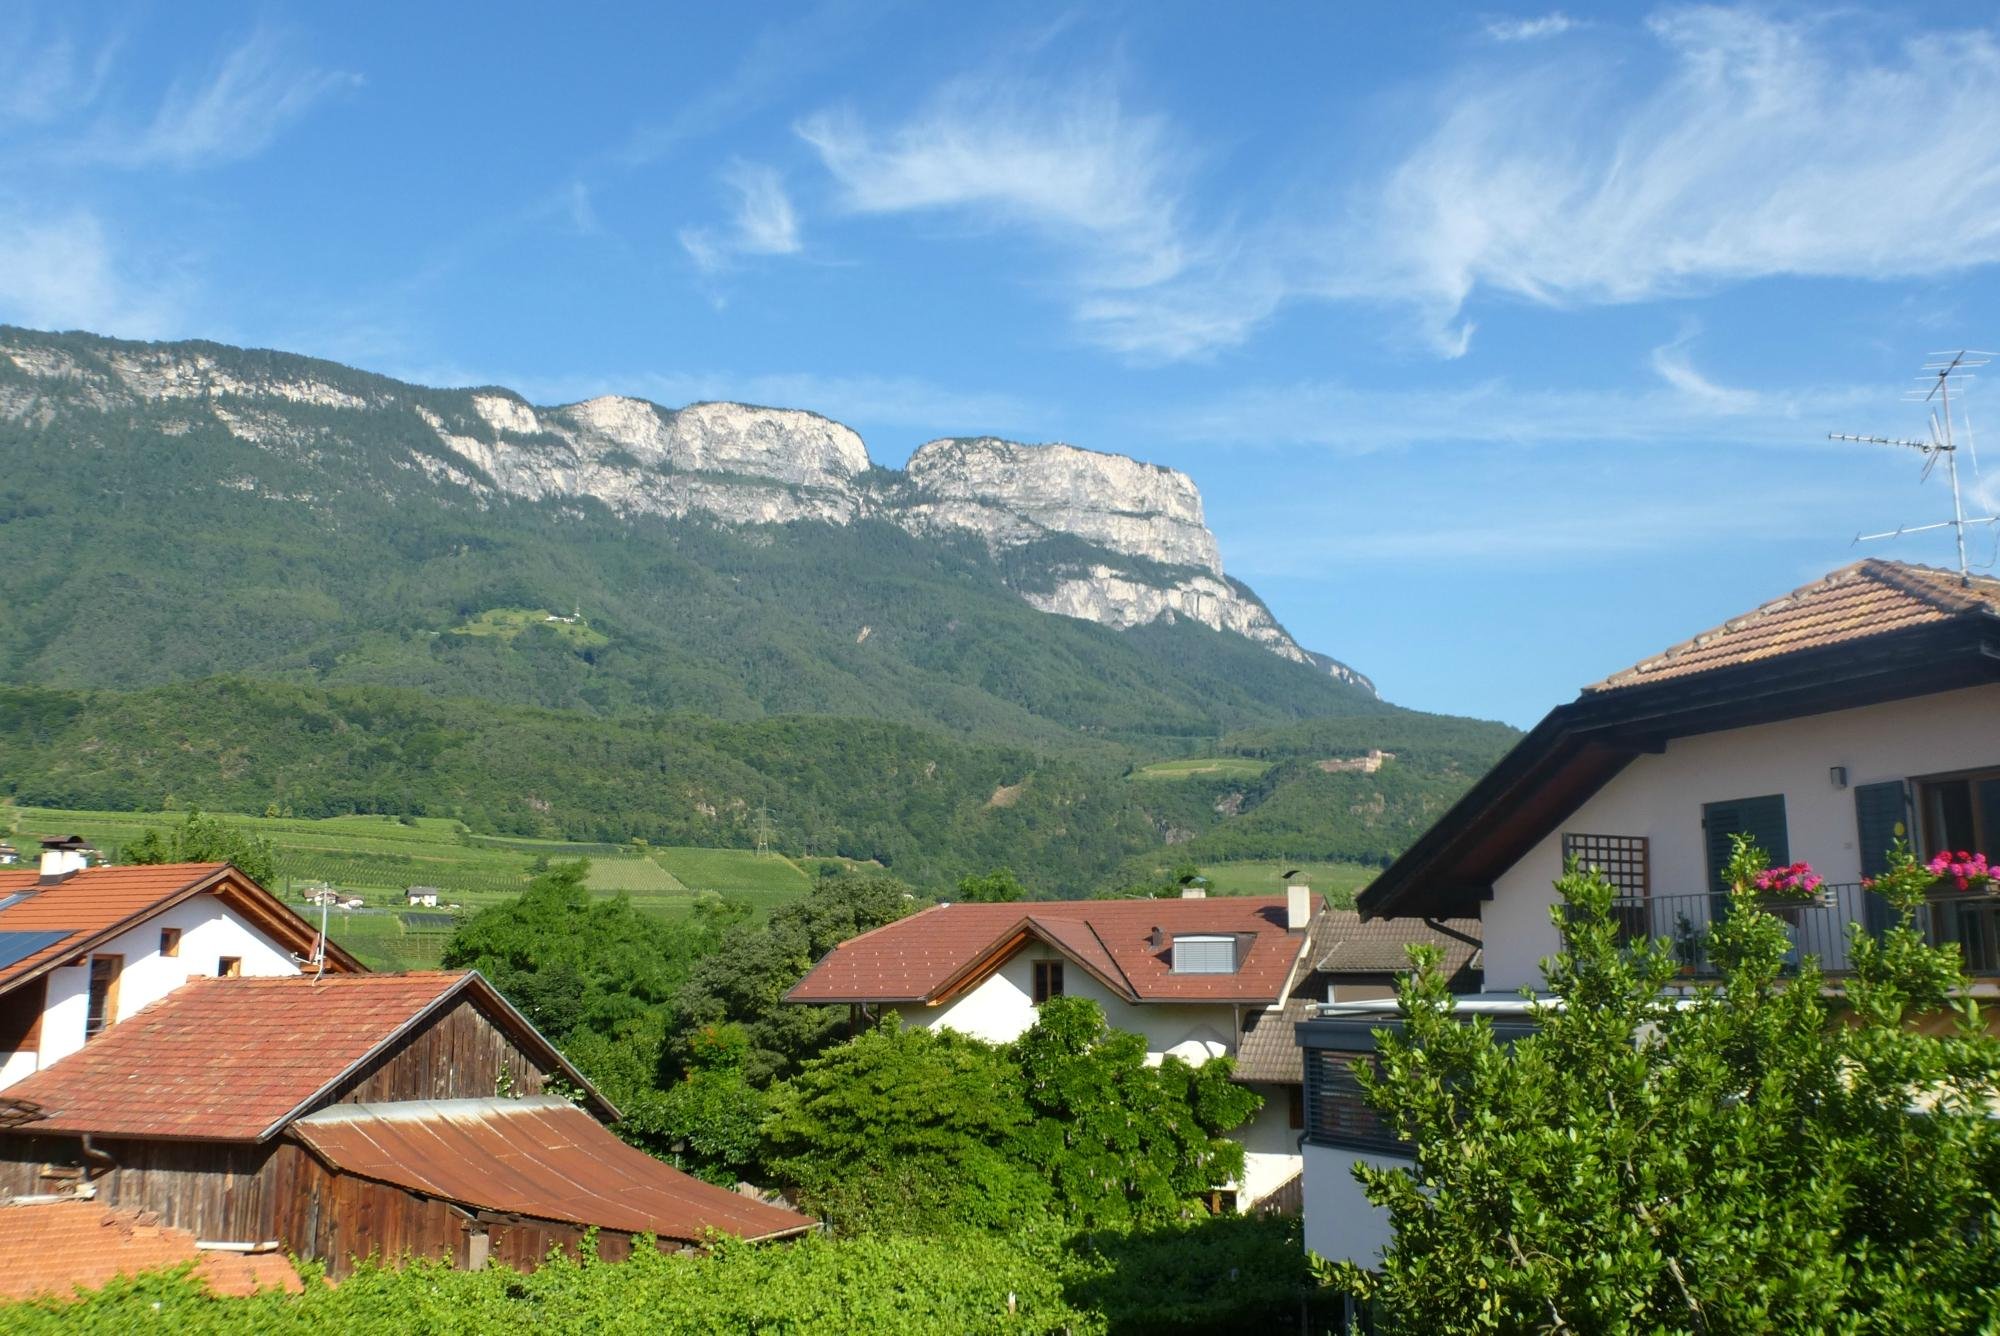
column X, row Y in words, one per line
column 1205, row 767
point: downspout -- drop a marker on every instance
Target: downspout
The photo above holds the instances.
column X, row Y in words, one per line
column 88, row 1188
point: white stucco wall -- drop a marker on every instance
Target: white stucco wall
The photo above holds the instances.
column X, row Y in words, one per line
column 1270, row 1146
column 1002, row 1007
column 1661, row 797
column 209, row 931
column 1341, row 1224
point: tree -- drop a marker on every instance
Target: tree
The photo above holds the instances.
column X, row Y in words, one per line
column 1744, row 1159
column 745, row 979
column 925, row 1130
column 995, row 887
column 204, row 839
column 1122, row 1142
column 574, row 963
column 906, row 1130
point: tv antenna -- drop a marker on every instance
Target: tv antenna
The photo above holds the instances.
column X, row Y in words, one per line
column 1935, row 387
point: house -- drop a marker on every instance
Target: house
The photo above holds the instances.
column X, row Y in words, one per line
column 351, row 1115
column 1821, row 724
column 84, row 948
column 9, row 855
column 162, row 1053
column 424, row 896
column 1194, row 976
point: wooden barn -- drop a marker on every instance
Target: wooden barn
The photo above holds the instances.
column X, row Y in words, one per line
column 349, row 1116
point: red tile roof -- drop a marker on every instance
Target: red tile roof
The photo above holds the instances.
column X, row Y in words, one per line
column 541, row 1157
column 234, row 1059
column 56, row 1248
column 1869, row 598
column 101, row 902
column 928, row 955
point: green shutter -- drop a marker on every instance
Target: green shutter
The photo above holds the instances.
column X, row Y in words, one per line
column 1878, row 810
column 1881, row 817
column 1763, row 819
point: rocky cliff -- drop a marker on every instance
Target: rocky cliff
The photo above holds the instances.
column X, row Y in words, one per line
column 1089, row 535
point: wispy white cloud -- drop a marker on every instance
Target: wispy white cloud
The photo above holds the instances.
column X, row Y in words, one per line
column 61, row 271
column 1682, row 405
column 1552, row 24
column 45, row 78
column 1761, row 147
column 765, row 221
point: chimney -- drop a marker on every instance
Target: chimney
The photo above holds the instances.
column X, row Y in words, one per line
column 1193, row 893
column 62, row 855
column 1298, row 907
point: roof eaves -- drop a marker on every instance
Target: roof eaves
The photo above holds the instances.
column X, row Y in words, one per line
column 86, row 939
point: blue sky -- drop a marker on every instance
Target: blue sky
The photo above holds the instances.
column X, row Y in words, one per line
column 1502, row 342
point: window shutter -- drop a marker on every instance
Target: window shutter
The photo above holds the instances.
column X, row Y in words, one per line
column 1878, row 810
column 1762, row 819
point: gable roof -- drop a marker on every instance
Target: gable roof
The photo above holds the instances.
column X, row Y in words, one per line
column 91, row 906
column 538, row 1156
column 237, row 1059
column 1868, row 598
column 942, row 951
column 1868, row 633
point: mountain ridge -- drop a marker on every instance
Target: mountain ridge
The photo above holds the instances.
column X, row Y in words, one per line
column 740, row 464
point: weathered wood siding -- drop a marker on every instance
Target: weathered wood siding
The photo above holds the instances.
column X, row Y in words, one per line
column 459, row 1055
column 214, row 1190
column 340, row 1219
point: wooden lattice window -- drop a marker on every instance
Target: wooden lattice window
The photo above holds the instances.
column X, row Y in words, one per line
column 1624, row 860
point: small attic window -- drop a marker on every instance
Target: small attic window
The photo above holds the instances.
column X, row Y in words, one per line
column 1204, row 955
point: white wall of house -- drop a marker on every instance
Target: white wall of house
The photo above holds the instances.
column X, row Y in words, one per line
column 1341, row 1224
column 1002, row 1007
column 1661, row 797
column 1270, row 1145
column 209, row 931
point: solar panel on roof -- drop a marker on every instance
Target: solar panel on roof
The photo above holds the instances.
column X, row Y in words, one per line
column 16, row 947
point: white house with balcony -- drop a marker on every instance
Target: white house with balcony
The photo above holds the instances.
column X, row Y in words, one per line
column 1825, row 724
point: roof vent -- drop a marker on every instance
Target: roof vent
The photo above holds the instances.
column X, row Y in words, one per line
column 63, row 855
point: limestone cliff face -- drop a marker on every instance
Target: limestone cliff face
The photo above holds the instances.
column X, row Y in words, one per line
column 1095, row 536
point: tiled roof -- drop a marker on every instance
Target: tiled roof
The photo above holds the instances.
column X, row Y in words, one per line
column 1868, row 598
column 1268, row 1050
column 99, row 902
column 1346, row 945
column 539, row 1156
column 923, row 957
column 232, row 1059
column 55, row 1248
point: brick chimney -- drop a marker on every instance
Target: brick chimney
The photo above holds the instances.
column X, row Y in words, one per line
column 62, row 855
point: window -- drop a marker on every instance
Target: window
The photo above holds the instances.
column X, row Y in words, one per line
column 170, row 941
column 1048, row 980
column 1961, row 812
column 228, row 967
column 21, row 1016
column 1204, row 955
column 103, row 1009
column 1336, row 1112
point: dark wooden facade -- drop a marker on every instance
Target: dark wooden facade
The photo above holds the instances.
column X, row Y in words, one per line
column 277, row 1191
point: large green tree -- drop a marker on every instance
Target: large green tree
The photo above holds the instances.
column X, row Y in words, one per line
column 928, row 1130
column 744, row 980
column 1760, row 1155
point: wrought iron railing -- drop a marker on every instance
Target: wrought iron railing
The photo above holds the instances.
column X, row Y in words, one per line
column 1818, row 929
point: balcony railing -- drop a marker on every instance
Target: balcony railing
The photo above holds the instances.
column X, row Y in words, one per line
column 1684, row 922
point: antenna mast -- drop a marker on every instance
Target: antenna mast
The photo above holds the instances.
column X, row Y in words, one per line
column 1939, row 374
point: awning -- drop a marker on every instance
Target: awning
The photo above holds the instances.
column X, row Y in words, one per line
column 538, row 1156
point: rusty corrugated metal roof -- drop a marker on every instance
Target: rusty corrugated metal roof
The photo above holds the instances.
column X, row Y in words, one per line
column 541, row 1157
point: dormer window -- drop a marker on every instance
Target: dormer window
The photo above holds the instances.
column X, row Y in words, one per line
column 1205, row 955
